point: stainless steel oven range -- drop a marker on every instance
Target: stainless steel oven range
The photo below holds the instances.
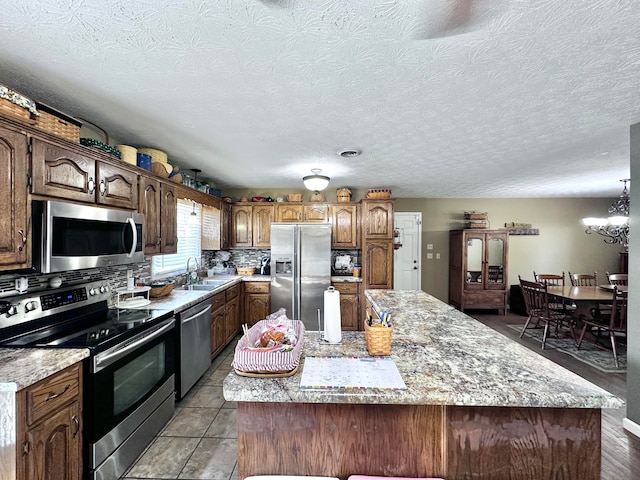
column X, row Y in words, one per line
column 129, row 377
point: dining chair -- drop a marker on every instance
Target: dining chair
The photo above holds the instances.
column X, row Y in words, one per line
column 536, row 300
column 583, row 279
column 617, row 278
column 614, row 323
column 556, row 280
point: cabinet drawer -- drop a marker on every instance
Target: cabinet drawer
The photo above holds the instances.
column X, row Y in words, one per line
column 346, row 287
column 256, row 287
column 51, row 393
column 232, row 292
column 217, row 301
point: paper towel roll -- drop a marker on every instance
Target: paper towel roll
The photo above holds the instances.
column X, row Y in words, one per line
column 332, row 322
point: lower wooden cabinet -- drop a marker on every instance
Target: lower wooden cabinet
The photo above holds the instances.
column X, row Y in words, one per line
column 349, row 304
column 256, row 302
column 225, row 318
column 377, row 264
column 232, row 312
column 49, row 429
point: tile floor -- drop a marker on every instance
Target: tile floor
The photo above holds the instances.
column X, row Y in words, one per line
column 200, row 441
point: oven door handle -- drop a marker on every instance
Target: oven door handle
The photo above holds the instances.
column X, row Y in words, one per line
column 100, row 362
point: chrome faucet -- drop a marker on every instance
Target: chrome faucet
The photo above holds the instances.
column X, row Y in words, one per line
column 193, row 276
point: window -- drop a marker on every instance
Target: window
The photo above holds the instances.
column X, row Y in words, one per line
column 188, row 243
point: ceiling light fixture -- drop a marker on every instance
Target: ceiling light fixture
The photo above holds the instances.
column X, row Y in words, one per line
column 615, row 228
column 316, row 182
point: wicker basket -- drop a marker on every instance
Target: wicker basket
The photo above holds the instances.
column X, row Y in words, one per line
column 378, row 339
column 57, row 123
column 378, row 193
column 16, row 105
column 246, row 271
column 294, row 197
column 161, row 291
column 7, row 107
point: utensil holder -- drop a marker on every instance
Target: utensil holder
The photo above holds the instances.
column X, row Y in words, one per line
column 378, row 340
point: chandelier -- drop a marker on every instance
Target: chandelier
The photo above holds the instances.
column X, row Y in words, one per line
column 615, row 228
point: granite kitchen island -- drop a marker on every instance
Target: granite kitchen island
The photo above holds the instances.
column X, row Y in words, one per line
column 477, row 405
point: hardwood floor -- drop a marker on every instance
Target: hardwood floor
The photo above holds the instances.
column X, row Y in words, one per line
column 620, row 449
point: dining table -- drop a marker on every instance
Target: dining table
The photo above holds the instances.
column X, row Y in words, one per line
column 586, row 297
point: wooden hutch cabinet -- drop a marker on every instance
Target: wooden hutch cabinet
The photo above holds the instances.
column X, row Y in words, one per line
column 478, row 269
column 158, row 203
column 251, row 225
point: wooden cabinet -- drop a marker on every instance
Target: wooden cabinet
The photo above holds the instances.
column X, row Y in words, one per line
column 158, row 203
column 257, row 302
column 377, row 219
column 218, row 329
column 377, row 243
column 315, row 212
column 225, row 318
column 49, row 429
column 211, row 228
column 344, row 226
column 289, row 212
column 225, row 227
column 349, row 304
column 15, row 237
column 262, row 216
column 478, row 269
column 251, row 225
column 59, row 172
column 232, row 312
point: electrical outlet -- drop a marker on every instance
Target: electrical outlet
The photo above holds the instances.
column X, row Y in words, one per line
column 129, row 273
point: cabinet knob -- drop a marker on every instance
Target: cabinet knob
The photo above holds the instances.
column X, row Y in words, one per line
column 91, row 185
column 103, row 187
column 76, row 422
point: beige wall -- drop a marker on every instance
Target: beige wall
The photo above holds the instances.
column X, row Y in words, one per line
column 561, row 246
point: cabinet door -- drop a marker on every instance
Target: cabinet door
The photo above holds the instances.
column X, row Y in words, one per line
column 53, row 447
column 211, row 228
column 496, row 261
column 262, row 217
column 349, row 312
column 379, row 265
column 117, row 187
column 289, row 213
column 168, row 218
column 317, row 212
column 344, row 231
column 241, row 226
column 218, row 332
column 15, row 249
column 225, row 230
column 377, row 219
column 474, row 261
column 58, row 172
column 256, row 307
column 232, row 319
column 149, row 206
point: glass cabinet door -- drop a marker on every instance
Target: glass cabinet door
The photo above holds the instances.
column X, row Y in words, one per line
column 475, row 250
column 495, row 260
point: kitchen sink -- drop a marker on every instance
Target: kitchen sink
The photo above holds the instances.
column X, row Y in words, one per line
column 206, row 285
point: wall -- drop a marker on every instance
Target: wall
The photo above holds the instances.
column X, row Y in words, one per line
column 561, row 246
column 633, row 341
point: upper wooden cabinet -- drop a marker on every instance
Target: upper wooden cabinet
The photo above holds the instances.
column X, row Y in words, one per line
column 15, row 239
column 377, row 219
column 345, row 231
column 63, row 173
column 225, row 225
column 289, row 212
column 315, row 212
column 251, row 225
column 158, row 203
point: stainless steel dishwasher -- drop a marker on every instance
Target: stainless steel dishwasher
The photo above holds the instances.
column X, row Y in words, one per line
column 194, row 344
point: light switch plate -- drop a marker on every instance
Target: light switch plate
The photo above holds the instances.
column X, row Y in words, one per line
column 429, row 256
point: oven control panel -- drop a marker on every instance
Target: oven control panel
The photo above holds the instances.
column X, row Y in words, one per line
column 36, row 305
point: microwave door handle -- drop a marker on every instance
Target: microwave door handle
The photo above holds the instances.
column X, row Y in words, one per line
column 131, row 222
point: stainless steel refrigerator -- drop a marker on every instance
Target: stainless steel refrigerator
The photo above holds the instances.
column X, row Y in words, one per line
column 300, row 269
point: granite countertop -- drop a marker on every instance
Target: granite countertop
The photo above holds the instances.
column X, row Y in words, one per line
column 445, row 357
column 22, row 367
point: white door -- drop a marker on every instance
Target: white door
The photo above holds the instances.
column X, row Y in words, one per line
column 407, row 271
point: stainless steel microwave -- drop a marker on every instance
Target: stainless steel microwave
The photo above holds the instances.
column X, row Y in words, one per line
column 68, row 236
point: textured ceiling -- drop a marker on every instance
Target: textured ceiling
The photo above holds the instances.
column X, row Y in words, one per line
column 487, row 98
